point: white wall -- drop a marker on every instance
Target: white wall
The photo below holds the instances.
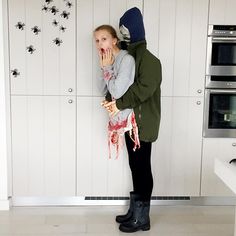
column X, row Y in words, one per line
column 4, row 203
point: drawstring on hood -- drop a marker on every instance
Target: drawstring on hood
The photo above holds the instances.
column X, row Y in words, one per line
column 133, row 21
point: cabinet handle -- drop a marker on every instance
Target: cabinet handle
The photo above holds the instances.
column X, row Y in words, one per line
column 199, row 91
column 70, row 101
column 234, row 144
column 70, row 90
column 198, row 102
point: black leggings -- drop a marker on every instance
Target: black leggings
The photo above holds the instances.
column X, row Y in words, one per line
column 140, row 165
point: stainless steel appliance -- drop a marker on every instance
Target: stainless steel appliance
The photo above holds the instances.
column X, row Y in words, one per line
column 220, row 113
column 221, row 56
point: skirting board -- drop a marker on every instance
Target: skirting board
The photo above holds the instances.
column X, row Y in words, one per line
column 4, row 205
column 80, row 201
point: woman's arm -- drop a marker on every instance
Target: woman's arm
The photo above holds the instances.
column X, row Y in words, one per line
column 118, row 84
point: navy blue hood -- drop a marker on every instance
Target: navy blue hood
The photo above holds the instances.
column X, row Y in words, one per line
column 133, row 21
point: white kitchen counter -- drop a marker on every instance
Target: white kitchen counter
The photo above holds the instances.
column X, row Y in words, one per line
column 227, row 173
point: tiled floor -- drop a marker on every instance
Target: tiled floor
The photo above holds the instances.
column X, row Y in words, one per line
column 99, row 221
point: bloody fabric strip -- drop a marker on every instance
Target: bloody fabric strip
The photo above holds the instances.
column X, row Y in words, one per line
column 116, row 132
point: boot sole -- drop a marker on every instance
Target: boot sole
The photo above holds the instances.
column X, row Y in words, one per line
column 127, row 230
column 146, row 228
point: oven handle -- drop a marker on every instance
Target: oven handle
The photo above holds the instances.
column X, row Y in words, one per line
column 223, row 40
column 228, row 91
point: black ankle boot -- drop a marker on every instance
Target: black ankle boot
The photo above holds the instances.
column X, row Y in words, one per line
column 140, row 219
column 123, row 218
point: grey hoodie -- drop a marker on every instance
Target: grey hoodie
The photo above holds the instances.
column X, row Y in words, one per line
column 116, row 79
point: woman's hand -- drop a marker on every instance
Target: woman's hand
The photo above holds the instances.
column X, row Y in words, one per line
column 106, row 57
column 104, row 102
column 111, row 107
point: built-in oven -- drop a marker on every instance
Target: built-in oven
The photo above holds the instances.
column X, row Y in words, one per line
column 220, row 113
column 221, row 57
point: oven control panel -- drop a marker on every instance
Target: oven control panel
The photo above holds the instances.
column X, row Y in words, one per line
column 222, row 30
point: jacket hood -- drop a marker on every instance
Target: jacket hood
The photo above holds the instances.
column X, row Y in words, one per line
column 133, row 21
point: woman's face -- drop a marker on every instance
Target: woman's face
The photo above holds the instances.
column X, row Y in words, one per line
column 104, row 40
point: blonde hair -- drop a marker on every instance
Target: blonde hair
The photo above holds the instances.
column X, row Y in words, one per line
column 109, row 29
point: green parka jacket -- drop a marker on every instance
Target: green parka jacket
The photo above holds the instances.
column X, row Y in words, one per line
column 144, row 94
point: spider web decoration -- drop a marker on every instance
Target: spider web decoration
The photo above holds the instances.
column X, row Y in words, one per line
column 36, row 30
column 62, row 28
column 58, row 41
column 69, row 4
column 20, row 25
column 48, row 1
column 30, row 49
column 65, row 14
column 55, row 23
column 54, row 10
column 15, row 72
column 47, row 7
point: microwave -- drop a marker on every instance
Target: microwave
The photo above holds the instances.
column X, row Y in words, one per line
column 221, row 56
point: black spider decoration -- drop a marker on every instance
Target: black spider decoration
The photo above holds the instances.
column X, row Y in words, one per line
column 65, row 14
column 62, row 28
column 55, row 23
column 54, row 10
column 48, row 1
column 15, row 73
column 57, row 41
column 36, row 30
column 45, row 8
column 30, row 49
column 69, row 4
column 20, row 25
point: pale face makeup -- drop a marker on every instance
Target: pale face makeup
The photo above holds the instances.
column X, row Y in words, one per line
column 125, row 33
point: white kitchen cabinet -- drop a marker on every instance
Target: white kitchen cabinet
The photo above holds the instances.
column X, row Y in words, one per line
column 90, row 14
column 151, row 16
column 178, row 39
column 43, row 146
column 224, row 149
column 59, row 143
column 97, row 175
column 181, row 46
column 176, row 156
column 42, row 41
column 222, row 12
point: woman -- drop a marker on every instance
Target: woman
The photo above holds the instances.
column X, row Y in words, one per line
column 117, row 74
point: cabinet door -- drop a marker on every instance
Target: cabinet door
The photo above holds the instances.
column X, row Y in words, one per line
column 224, row 149
column 91, row 14
column 182, row 45
column 43, row 146
column 97, row 175
column 176, row 155
column 222, row 12
column 42, row 47
column 151, row 18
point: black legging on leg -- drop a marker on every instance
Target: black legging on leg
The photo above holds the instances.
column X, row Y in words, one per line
column 140, row 165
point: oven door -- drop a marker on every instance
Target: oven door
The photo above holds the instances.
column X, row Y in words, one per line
column 221, row 56
column 220, row 113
